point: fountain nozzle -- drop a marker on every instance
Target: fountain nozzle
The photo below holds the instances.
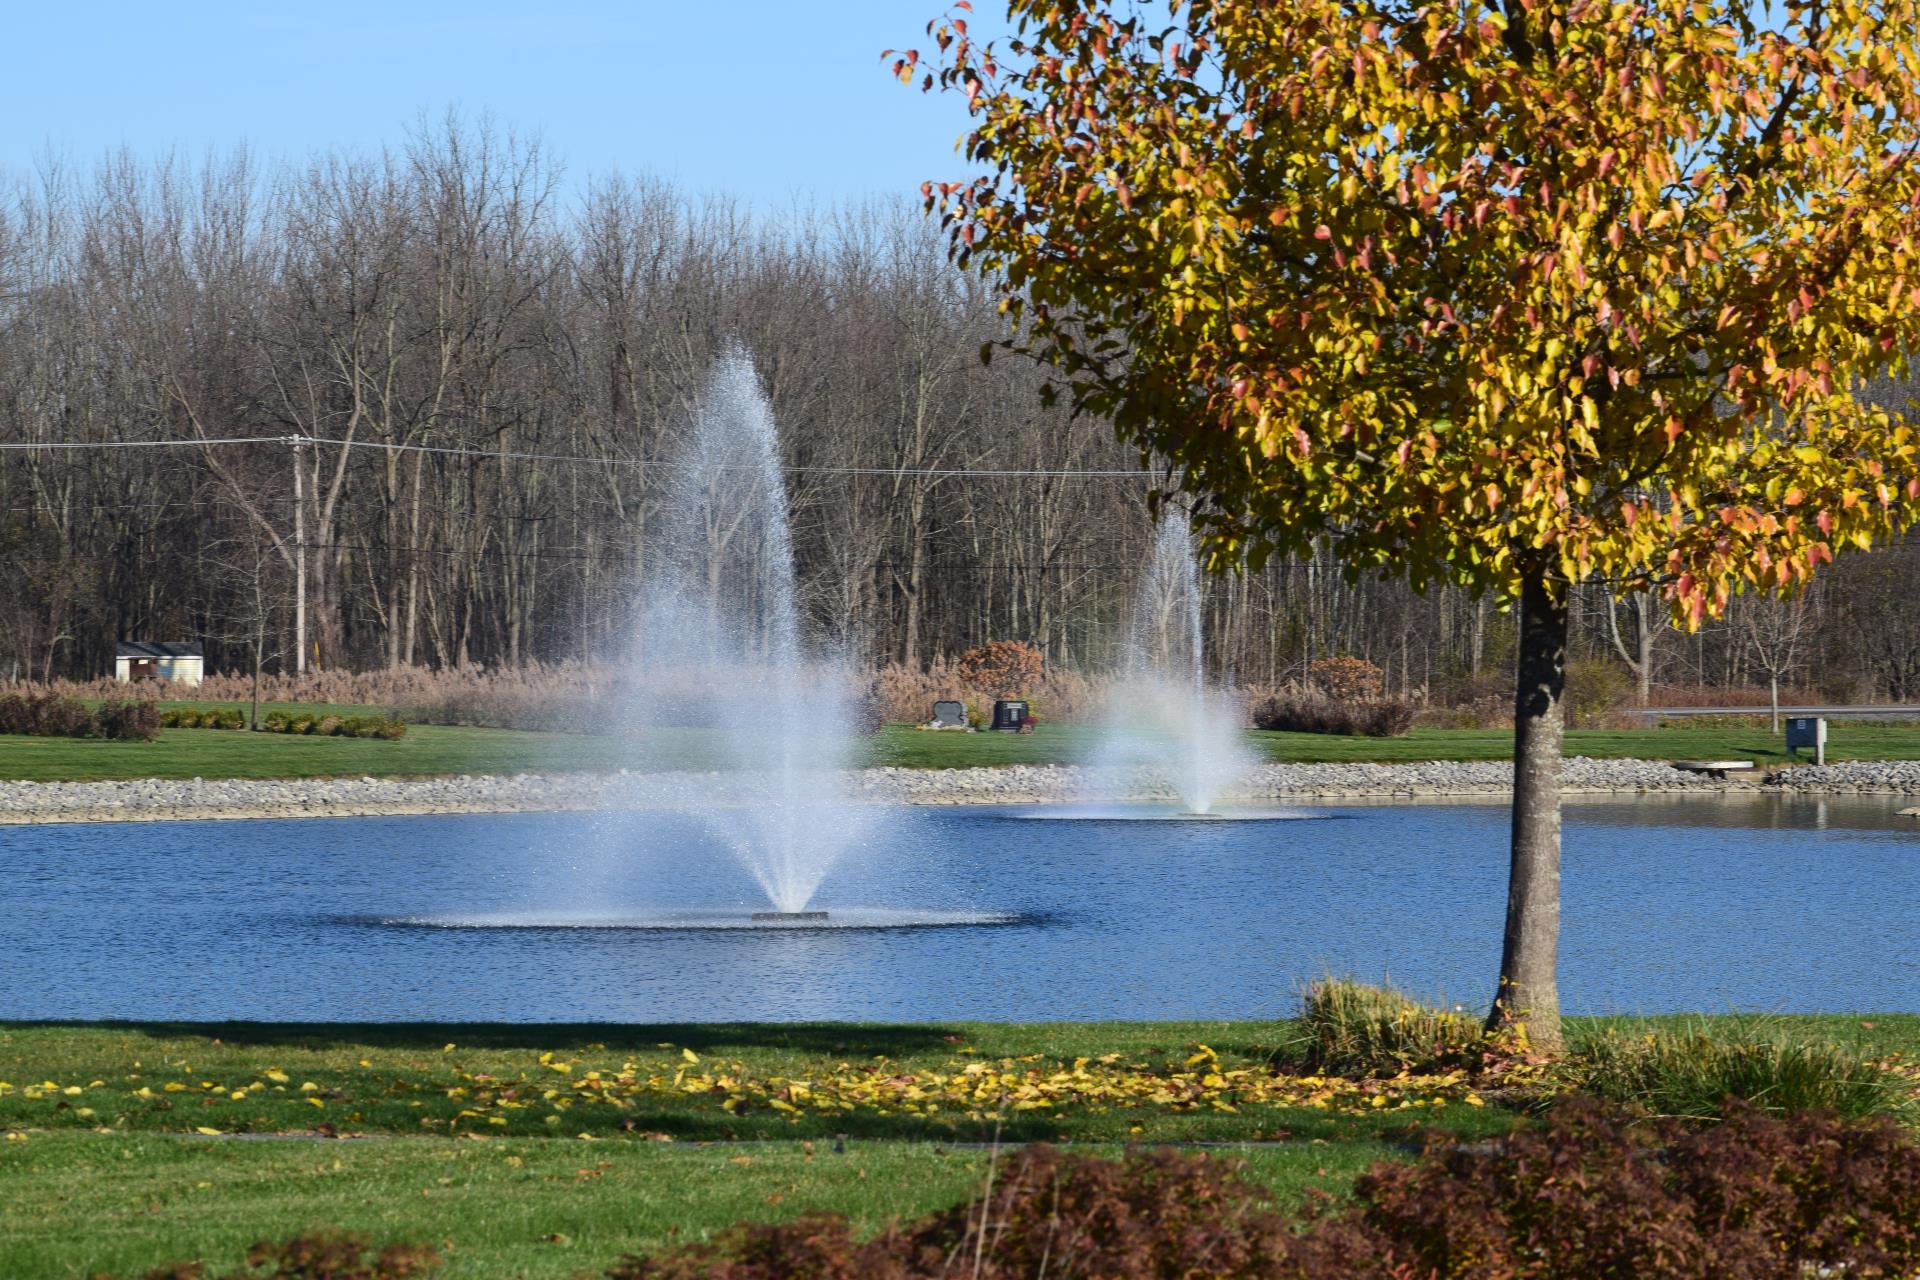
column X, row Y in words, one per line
column 786, row 917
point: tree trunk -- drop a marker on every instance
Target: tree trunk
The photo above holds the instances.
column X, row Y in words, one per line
column 1528, row 994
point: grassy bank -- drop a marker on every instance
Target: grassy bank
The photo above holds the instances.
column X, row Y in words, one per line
column 83, row 1204
column 430, row 750
column 386, row 1129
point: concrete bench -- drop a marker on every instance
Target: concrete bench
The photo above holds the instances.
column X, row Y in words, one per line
column 1716, row 768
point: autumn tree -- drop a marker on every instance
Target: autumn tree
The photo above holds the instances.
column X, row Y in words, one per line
column 1513, row 296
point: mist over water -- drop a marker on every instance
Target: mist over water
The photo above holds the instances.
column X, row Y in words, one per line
column 720, row 659
column 1162, row 714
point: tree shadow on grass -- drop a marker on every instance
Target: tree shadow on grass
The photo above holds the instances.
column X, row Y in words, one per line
column 823, row 1039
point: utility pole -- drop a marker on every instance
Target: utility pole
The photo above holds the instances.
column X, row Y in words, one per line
column 299, row 562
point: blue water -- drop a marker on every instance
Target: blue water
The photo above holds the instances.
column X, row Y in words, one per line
column 1763, row 903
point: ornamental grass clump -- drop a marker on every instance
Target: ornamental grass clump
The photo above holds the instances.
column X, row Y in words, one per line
column 1353, row 1028
column 1286, row 712
column 1691, row 1074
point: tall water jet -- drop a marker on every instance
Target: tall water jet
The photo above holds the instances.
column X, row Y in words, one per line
column 721, row 659
column 1162, row 714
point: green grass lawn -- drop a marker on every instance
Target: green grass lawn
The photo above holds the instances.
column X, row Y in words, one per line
column 79, row 1205
column 430, row 750
column 135, row 1182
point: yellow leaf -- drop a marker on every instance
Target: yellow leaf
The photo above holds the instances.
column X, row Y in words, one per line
column 211, row 1133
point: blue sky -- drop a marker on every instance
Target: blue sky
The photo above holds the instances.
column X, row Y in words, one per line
column 770, row 101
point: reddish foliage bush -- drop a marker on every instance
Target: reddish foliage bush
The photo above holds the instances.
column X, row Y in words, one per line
column 1161, row 1214
column 1306, row 713
column 1347, row 678
column 131, row 721
column 1752, row 1198
column 1004, row 668
column 1586, row 1193
column 324, row 1256
column 46, row 715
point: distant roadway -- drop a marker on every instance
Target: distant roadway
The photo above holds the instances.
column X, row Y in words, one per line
column 1872, row 711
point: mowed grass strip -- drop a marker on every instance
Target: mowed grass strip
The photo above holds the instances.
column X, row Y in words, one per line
column 1065, row 744
column 442, row 750
column 134, row 1184
column 81, row 1204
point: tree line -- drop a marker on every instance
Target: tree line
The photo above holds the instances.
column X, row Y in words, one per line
column 515, row 363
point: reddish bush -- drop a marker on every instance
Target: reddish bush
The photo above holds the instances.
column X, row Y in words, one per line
column 46, row 715
column 324, row 1256
column 1347, row 678
column 131, row 721
column 1585, row 1193
column 1162, row 1214
column 1004, row 669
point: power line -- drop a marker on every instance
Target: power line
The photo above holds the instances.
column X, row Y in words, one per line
column 985, row 473
column 138, row 444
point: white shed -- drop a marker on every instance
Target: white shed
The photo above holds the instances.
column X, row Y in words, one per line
column 182, row 663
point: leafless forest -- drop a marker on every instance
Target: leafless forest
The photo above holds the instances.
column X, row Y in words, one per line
column 453, row 298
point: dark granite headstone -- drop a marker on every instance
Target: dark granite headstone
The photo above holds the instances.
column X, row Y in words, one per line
column 1007, row 715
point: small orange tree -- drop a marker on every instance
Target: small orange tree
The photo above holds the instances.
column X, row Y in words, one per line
column 1347, row 677
column 1511, row 294
column 1003, row 668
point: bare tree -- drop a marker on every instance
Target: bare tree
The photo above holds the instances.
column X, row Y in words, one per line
column 252, row 574
column 1776, row 629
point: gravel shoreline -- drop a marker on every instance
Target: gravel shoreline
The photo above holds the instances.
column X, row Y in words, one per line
column 197, row 799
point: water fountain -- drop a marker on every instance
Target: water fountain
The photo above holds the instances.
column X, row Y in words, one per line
column 1163, row 716
column 720, row 646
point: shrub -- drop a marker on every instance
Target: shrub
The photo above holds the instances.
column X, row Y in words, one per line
column 1308, row 713
column 387, row 727
column 1480, row 701
column 1597, row 692
column 1589, row 1194
column 1586, row 1192
column 1066, row 1217
column 62, row 718
column 1356, row 1029
column 127, row 721
column 1692, row 1074
column 1347, row 679
column 1003, row 669
column 322, row 1256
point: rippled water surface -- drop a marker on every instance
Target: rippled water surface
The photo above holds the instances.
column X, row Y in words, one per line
column 1765, row 902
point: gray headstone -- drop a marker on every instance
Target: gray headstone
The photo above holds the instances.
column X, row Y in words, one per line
column 948, row 713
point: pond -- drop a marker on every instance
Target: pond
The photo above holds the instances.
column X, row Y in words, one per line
column 1775, row 903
